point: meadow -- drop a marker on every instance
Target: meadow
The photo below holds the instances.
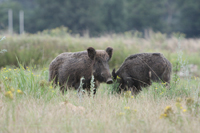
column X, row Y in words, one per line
column 28, row 103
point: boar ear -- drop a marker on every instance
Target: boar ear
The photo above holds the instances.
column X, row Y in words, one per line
column 109, row 50
column 91, row 53
column 114, row 74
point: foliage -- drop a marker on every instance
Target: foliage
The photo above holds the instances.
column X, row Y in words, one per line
column 29, row 102
column 189, row 10
column 95, row 17
column 4, row 7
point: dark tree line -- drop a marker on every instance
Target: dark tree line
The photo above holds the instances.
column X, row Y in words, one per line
column 105, row 16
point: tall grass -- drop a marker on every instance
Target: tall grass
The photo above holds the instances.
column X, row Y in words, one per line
column 40, row 49
column 36, row 107
column 28, row 103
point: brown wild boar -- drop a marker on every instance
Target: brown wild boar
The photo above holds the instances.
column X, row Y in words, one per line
column 140, row 69
column 68, row 68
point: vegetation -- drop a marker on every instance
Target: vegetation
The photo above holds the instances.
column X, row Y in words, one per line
column 29, row 103
column 106, row 16
column 4, row 50
column 40, row 49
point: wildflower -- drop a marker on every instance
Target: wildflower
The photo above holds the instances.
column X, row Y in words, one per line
column 12, row 89
column 43, row 83
column 132, row 96
column 135, row 110
column 178, row 105
column 19, row 91
column 6, row 78
column 189, row 101
column 5, row 68
column 127, row 94
column 127, row 108
column 9, row 94
column 52, row 91
column 168, row 110
column 118, row 77
column 163, row 116
column 184, row 110
column 50, row 87
column 164, row 83
column 156, row 88
column 178, row 100
column 9, row 69
column 121, row 113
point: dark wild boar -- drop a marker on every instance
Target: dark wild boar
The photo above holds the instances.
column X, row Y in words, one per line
column 68, row 68
column 140, row 69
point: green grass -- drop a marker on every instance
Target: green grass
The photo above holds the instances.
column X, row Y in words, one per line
column 41, row 108
column 40, row 49
column 28, row 103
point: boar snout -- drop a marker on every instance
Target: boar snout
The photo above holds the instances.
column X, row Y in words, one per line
column 107, row 77
column 109, row 81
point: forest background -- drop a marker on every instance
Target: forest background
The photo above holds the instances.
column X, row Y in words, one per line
column 97, row 17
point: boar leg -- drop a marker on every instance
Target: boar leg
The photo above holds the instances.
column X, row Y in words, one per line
column 136, row 88
column 133, row 90
column 131, row 86
column 122, row 87
column 63, row 88
column 129, row 82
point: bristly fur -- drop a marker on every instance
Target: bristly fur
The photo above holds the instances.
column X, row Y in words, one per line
column 139, row 70
column 67, row 68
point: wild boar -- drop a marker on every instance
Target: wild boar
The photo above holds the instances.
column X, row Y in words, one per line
column 68, row 68
column 141, row 69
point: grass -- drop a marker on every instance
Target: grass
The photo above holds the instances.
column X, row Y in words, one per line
column 28, row 103
column 35, row 106
column 40, row 49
